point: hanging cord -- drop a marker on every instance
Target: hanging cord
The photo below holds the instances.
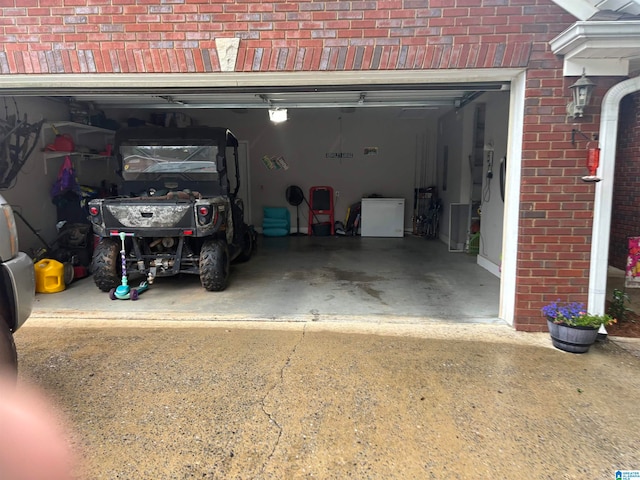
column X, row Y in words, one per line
column 486, row 194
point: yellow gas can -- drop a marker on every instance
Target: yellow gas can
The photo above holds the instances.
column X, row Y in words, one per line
column 49, row 276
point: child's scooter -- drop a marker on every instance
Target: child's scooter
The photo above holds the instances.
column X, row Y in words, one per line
column 123, row 291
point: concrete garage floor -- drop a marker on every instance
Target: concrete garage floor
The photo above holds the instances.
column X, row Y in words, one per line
column 300, row 278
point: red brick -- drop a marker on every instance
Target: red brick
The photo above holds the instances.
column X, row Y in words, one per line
column 97, row 58
column 308, row 59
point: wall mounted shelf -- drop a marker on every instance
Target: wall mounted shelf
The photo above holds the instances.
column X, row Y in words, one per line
column 86, row 135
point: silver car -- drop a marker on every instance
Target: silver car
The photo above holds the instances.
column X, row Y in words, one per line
column 17, row 286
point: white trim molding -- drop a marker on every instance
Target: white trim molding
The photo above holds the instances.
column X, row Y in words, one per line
column 512, row 200
column 604, row 193
column 128, row 81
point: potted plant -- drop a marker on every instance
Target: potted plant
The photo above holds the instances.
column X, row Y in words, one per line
column 571, row 327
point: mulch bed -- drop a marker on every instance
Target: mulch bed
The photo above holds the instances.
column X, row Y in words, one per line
column 628, row 327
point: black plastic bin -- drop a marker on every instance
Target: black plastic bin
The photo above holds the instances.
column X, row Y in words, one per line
column 321, row 229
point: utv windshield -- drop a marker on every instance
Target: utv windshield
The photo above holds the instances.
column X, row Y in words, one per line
column 145, row 162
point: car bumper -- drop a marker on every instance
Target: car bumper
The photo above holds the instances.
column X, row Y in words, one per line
column 21, row 276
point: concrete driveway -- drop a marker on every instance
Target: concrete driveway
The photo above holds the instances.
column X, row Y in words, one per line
column 268, row 400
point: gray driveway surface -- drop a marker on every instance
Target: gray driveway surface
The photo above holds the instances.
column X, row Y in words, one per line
column 267, row 400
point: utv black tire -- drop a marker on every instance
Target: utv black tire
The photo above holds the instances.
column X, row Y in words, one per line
column 248, row 246
column 214, row 265
column 107, row 265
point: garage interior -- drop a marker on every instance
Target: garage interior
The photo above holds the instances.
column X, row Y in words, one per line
column 423, row 143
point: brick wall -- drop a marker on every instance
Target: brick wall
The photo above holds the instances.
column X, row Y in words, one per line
column 103, row 36
column 625, row 218
column 95, row 36
column 556, row 214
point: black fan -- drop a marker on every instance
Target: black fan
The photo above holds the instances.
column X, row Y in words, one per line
column 295, row 196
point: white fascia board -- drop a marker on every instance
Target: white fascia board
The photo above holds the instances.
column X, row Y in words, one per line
column 601, row 48
column 573, row 67
column 614, row 32
column 248, row 79
column 581, row 9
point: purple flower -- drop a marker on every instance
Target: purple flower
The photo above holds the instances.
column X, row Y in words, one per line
column 557, row 311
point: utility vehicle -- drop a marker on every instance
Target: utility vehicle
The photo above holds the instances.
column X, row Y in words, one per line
column 177, row 206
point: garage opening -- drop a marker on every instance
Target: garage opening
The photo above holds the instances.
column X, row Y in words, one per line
column 440, row 148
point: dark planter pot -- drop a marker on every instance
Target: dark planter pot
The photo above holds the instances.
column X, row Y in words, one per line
column 572, row 339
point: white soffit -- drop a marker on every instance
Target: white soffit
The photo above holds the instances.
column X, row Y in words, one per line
column 599, row 47
column 585, row 9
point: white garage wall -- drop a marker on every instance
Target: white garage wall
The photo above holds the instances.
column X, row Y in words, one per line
column 30, row 193
column 456, row 133
column 309, row 135
column 491, row 228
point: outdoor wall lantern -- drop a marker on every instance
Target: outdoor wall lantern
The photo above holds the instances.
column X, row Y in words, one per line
column 581, row 91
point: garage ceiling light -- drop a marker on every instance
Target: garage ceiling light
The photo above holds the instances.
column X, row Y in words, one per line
column 278, row 115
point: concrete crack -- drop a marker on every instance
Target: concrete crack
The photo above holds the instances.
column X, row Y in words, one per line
column 270, row 415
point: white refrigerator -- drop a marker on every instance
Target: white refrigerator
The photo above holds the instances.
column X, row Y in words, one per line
column 382, row 217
